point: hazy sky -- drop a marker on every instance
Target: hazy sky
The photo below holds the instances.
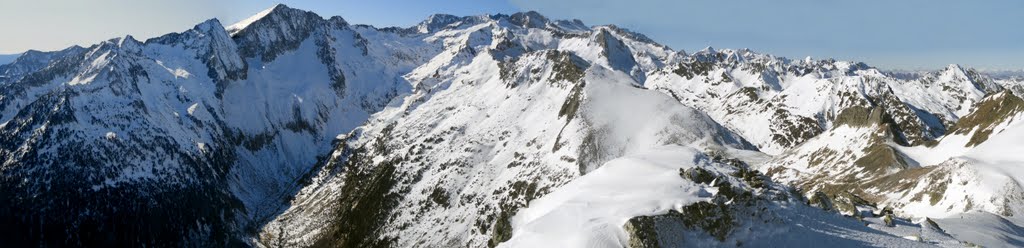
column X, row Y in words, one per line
column 905, row 34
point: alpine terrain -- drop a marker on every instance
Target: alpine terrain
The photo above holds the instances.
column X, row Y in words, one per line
column 289, row 129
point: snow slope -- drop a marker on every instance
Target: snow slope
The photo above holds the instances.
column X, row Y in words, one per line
column 592, row 210
column 985, row 229
column 238, row 26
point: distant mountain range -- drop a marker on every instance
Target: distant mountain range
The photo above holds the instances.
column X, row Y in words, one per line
column 289, row 129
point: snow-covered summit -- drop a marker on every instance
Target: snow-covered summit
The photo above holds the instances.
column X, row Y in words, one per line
column 238, row 26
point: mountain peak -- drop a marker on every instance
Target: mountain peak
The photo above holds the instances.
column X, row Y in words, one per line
column 435, row 22
column 129, row 43
column 440, row 17
column 280, row 10
column 530, row 14
column 247, row 21
column 708, row 50
column 210, row 28
column 955, row 69
column 956, row 72
column 529, row 19
column 275, row 30
column 208, row 25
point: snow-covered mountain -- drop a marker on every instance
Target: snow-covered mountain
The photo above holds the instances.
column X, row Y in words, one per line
column 777, row 103
column 291, row 129
column 204, row 130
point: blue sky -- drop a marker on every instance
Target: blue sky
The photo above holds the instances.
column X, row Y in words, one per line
column 906, row 34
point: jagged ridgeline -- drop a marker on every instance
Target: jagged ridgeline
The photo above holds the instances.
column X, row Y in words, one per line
column 188, row 139
column 289, row 129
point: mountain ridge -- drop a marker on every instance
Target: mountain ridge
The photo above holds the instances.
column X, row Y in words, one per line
column 309, row 131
